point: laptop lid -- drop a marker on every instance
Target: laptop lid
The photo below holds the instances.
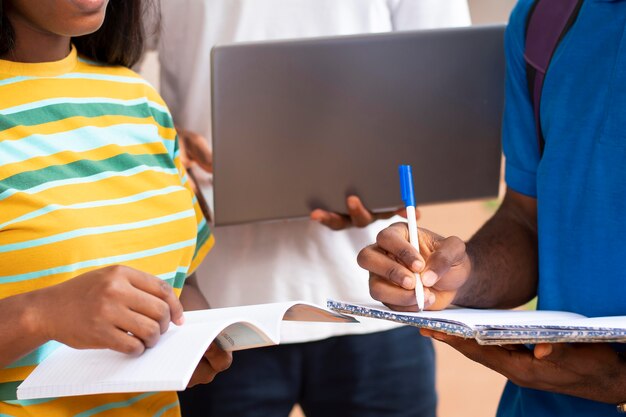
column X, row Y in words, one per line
column 299, row 125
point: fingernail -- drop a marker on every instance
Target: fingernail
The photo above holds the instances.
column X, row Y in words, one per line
column 429, row 278
column 352, row 204
column 417, row 266
column 408, row 283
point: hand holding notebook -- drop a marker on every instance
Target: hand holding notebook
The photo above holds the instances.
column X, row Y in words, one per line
column 501, row 327
column 169, row 365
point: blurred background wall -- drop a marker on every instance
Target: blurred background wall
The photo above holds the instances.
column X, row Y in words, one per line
column 489, row 11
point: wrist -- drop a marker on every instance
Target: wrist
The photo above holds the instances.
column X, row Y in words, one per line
column 33, row 318
column 463, row 294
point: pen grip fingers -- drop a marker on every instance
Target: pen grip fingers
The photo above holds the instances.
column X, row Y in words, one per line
column 391, row 295
column 395, row 240
column 380, row 264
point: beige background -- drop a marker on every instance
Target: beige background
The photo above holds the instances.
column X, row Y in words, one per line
column 465, row 388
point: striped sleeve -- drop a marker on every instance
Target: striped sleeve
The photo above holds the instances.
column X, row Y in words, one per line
column 205, row 238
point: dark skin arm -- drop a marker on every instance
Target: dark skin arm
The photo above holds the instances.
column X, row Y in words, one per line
column 503, row 255
column 357, row 215
column 497, row 268
column 591, row 371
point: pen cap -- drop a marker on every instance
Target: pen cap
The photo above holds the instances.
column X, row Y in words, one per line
column 406, row 185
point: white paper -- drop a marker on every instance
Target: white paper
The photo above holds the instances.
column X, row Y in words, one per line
column 171, row 363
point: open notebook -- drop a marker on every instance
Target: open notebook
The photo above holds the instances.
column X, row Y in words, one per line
column 500, row 327
column 170, row 364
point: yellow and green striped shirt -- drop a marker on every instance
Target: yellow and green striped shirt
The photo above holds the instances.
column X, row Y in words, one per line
column 89, row 177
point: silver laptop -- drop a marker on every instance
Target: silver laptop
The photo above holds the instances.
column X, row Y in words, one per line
column 299, row 125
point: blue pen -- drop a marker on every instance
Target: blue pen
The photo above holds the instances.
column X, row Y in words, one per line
column 408, row 196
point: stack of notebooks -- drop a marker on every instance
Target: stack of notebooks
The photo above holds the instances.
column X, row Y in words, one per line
column 501, row 327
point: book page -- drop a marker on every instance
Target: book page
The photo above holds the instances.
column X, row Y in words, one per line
column 264, row 328
column 166, row 367
column 170, row 364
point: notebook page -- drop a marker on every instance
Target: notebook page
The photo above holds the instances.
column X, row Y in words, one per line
column 169, row 365
column 266, row 317
column 166, row 367
column 611, row 322
column 471, row 318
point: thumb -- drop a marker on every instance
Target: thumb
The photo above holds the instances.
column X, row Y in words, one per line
column 546, row 351
column 359, row 215
column 449, row 253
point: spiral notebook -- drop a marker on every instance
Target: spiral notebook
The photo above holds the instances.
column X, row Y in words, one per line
column 170, row 364
column 500, row 327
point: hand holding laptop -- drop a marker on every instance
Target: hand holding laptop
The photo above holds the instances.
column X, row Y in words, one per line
column 357, row 215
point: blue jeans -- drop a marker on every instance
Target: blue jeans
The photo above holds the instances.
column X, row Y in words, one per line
column 385, row 374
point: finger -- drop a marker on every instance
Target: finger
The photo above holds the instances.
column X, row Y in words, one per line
column 427, row 332
column 219, row 359
column 414, row 308
column 151, row 307
column 334, row 221
column 510, row 363
column 120, row 341
column 551, row 352
column 437, row 300
column 395, row 240
column 199, row 151
column 380, row 264
column 430, row 299
column 145, row 329
column 160, row 289
column 359, row 215
column 203, row 374
column 184, row 159
column 391, row 295
column 449, row 253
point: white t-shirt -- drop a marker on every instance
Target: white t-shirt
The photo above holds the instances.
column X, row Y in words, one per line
column 289, row 260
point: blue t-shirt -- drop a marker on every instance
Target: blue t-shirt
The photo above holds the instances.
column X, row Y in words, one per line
column 579, row 183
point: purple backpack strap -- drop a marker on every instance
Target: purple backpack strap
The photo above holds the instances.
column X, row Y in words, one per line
column 548, row 22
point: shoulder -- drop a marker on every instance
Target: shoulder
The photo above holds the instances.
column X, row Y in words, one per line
column 519, row 16
column 516, row 29
column 129, row 80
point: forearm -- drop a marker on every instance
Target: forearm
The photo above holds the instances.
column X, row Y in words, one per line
column 504, row 258
column 19, row 328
